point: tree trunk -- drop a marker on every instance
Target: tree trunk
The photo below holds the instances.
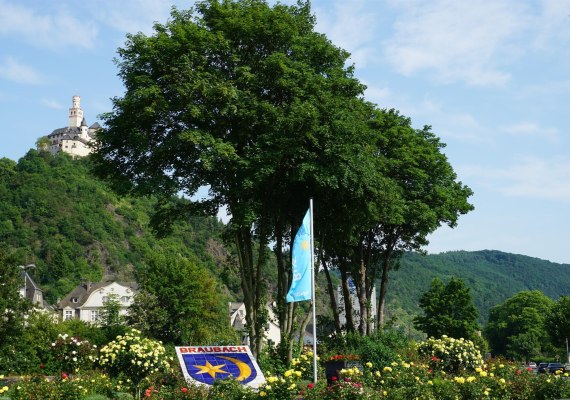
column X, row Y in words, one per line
column 383, row 287
column 332, row 298
column 361, row 291
column 346, row 295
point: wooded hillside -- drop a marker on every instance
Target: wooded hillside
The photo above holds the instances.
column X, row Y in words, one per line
column 54, row 214
column 493, row 276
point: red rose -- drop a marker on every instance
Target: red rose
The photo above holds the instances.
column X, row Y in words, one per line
column 63, row 375
column 42, row 366
column 311, row 385
column 334, row 378
column 184, row 390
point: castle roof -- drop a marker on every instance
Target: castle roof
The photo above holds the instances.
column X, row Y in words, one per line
column 78, row 296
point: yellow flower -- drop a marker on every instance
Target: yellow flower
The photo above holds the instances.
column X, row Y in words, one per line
column 262, row 394
column 430, row 383
column 387, row 369
column 369, row 364
column 483, row 373
column 385, row 393
column 502, row 380
column 471, row 379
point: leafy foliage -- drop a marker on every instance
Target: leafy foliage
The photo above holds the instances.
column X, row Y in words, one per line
column 193, row 309
column 492, row 277
column 448, row 310
column 54, row 213
column 516, row 327
column 12, row 305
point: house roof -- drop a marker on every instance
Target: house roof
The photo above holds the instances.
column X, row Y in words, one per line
column 83, row 291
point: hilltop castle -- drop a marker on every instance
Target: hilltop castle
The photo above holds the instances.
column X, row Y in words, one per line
column 76, row 138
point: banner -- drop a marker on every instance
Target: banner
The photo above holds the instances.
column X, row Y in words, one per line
column 205, row 364
column 301, row 285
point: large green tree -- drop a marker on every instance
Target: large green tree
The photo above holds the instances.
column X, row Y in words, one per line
column 247, row 100
column 244, row 99
column 558, row 322
column 402, row 189
column 448, row 309
column 194, row 309
column 13, row 306
column 517, row 327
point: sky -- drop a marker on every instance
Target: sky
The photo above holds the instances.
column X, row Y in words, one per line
column 492, row 78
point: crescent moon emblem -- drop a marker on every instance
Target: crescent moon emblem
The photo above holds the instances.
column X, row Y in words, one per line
column 244, row 369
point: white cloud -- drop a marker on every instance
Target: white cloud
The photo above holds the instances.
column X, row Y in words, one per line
column 49, row 103
column 377, row 95
column 457, row 40
column 53, row 30
column 132, row 16
column 531, row 129
column 553, row 24
column 351, row 26
column 13, row 70
column 530, row 177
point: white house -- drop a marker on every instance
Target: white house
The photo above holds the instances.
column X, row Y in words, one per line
column 31, row 291
column 86, row 301
column 238, row 322
column 272, row 331
column 76, row 138
column 355, row 303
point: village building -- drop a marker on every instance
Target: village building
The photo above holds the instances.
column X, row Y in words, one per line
column 87, row 300
column 355, row 304
column 272, row 330
column 76, row 138
column 32, row 292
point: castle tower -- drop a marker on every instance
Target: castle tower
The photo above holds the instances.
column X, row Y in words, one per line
column 83, row 129
column 75, row 113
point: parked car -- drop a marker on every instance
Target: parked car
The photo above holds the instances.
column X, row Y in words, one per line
column 542, row 367
column 553, row 367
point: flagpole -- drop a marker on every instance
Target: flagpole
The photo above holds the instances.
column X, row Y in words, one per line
column 314, row 293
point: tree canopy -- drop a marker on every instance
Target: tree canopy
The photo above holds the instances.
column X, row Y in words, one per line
column 448, row 310
column 516, row 328
column 247, row 100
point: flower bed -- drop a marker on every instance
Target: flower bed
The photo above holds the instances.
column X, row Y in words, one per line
column 132, row 367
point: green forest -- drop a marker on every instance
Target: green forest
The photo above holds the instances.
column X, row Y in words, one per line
column 54, row 214
column 493, row 276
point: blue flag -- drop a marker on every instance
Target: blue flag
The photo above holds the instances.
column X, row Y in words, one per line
column 301, row 285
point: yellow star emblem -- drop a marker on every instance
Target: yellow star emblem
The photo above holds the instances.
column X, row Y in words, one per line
column 210, row 369
column 305, row 245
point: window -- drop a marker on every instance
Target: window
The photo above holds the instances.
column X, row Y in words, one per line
column 94, row 315
column 68, row 315
column 75, row 300
column 125, row 299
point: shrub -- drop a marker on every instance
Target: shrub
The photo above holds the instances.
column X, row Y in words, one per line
column 72, row 353
column 450, row 355
column 133, row 357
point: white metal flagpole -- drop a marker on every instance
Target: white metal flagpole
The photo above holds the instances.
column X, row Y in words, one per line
column 314, row 294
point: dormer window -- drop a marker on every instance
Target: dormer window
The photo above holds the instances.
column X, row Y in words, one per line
column 75, row 300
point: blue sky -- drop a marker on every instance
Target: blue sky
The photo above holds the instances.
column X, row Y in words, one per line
column 490, row 77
